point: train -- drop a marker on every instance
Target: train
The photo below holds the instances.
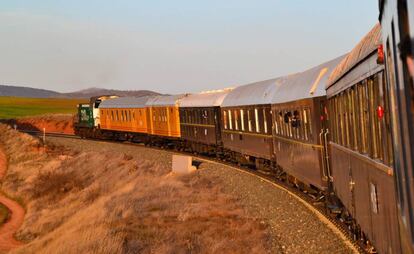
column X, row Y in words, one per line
column 329, row 131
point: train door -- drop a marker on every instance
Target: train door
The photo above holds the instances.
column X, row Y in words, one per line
column 217, row 121
column 322, row 114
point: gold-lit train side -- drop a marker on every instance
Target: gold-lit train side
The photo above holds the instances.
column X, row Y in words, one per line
column 124, row 114
column 163, row 116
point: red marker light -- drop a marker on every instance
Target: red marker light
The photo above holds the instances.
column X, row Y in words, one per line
column 380, row 112
column 380, row 54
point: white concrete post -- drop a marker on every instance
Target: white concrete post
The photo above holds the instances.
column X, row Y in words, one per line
column 44, row 136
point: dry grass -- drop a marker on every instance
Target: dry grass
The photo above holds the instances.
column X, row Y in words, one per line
column 109, row 202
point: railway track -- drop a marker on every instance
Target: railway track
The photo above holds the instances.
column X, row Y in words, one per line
column 317, row 207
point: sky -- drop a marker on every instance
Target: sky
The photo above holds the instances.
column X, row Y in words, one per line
column 172, row 46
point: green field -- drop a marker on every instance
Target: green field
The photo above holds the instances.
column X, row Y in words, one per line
column 15, row 107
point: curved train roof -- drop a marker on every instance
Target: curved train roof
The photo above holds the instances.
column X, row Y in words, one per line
column 125, row 102
column 205, row 99
column 365, row 47
column 306, row 84
column 165, row 100
column 253, row 94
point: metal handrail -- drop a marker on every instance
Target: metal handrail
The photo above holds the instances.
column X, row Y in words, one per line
column 325, row 177
column 327, row 155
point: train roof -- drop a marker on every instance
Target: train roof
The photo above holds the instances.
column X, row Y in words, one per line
column 125, row 102
column 306, row 84
column 165, row 100
column 363, row 49
column 205, row 99
column 253, row 94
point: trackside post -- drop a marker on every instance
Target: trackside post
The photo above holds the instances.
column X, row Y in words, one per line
column 44, row 136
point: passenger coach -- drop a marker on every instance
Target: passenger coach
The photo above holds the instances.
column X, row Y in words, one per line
column 200, row 121
column 300, row 125
column 164, row 118
column 397, row 21
column 247, row 123
column 124, row 118
column 361, row 144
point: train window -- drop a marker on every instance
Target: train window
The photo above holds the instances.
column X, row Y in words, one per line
column 302, row 126
column 337, row 119
column 264, row 121
column 296, row 119
column 276, row 124
column 350, row 137
column 242, row 119
column 388, row 151
column 117, row 115
column 249, row 120
column 354, row 121
column 280, row 123
column 256, row 116
column 205, row 116
column 332, row 113
column 372, row 120
column 287, row 119
column 378, row 105
column 197, row 118
column 364, row 117
column 347, row 119
column 230, row 121
column 225, row 119
column 308, row 123
column 305, row 123
column 236, row 119
column 341, row 121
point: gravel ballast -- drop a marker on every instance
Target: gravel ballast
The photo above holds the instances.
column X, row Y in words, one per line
column 293, row 227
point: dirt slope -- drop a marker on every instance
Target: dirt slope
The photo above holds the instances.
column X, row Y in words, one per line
column 60, row 123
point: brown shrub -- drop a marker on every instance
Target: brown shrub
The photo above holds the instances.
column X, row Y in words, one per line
column 55, row 184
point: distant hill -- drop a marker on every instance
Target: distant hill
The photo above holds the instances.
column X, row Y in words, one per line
column 19, row 91
column 87, row 93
